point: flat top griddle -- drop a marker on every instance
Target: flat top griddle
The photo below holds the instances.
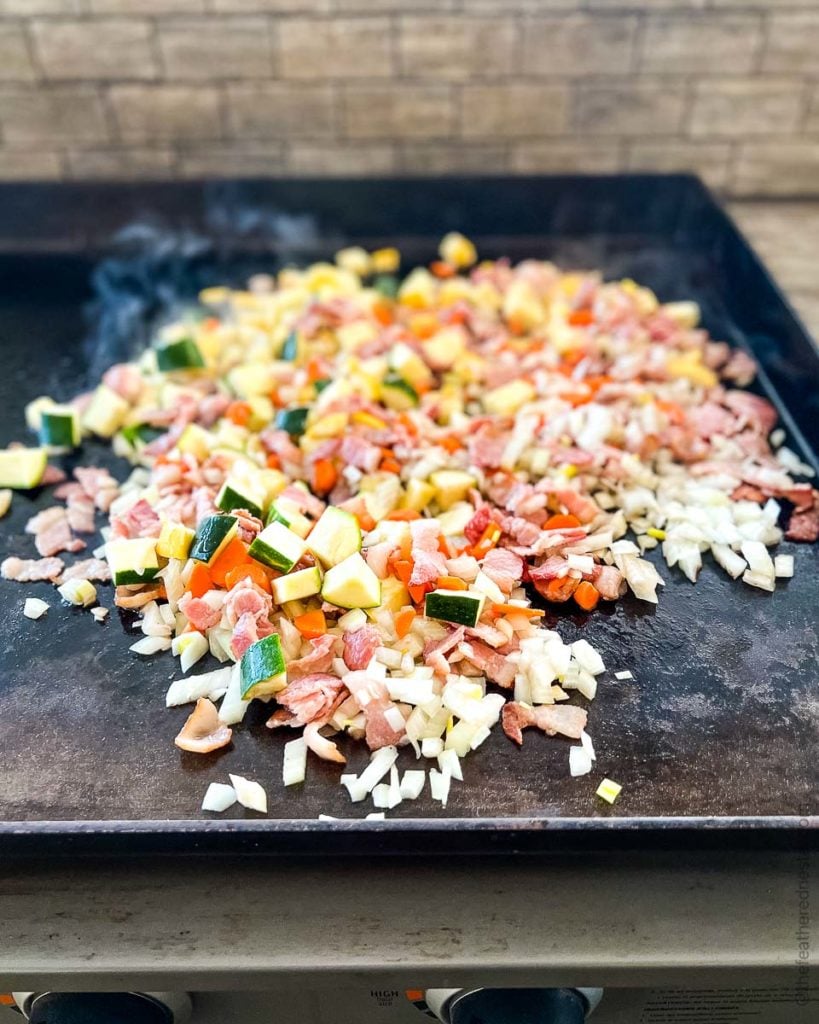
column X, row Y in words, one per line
column 718, row 728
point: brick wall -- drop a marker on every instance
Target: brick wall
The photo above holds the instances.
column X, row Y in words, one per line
column 174, row 88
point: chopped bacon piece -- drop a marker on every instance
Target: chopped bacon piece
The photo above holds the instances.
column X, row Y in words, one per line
column 246, row 598
column 553, row 568
column 747, row 492
column 359, row 647
column 199, row 613
column 94, row 569
column 428, row 562
column 245, row 633
column 125, row 379
column 211, row 407
column 551, row 718
column 98, row 484
column 137, row 597
column 495, row 666
column 609, row 581
column 309, row 698
column 378, row 732
column 250, row 526
column 504, row 568
column 478, row 523
column 139, row 521
column 436, row 650
column 740, row 368
column 80, row 512
column 485, row 451
column 52, row 533
column 203, row 731
column 361, row 453
column 52, row 475
column 307, row 503
column 757, row 412
column 804, row 526
column 31, row 570
column 319, row 658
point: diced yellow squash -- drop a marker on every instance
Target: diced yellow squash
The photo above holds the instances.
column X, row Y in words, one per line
column 352, row 336
column 522, row 307
column 451, row 485
column 418, row 289
column 444, row 348
column 418, row 495
column 456, row 249
column 686, row 314
column 331, row 425
column 394, row 596
column 354, row 259
column 194, row 440
column 689, row 366
column 409, row 365
column 508, row 398
column 385, row 261
column 367, row 419
column 174, row 541
column 250, row 379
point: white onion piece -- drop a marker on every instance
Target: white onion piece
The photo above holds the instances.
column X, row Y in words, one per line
column 783, row 566
column 100, row 614
column 587, row 657
column 439, row 786
column 431, row 746
column 34, row 608
column 756, row 555
column 729, row 560
column 218, row 797
column 624, row 674
column 449, row 762
column 233, row 708
column 210, row 684
column 588, row 746
column 580, row 763
column 375, row 816
column 294, row 765
column 412, row 784
column 381, row 795
column 760, row 580
column 151, row 645
column 249, row 794
column 394, row 796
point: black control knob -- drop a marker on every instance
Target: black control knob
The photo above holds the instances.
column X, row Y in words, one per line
column 518, row 1006
column 97, row 1008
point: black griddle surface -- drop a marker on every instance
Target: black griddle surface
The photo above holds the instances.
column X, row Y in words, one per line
column 717, row 729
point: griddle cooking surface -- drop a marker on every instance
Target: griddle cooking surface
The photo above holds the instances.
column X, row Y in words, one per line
column 719, row 721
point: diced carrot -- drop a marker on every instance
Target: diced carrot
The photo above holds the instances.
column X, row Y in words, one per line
column 587, row 596
column 311, row 624
column 199, row 581
column 488, row 539
column 450, row 583
column 252, row 569
column 403, row 570
column 235, row 553
column 365, row 520
column 675, row 412
column 571, row 357
column 451, row 444
column 581, row 317
column 516, row 324
column 513, row 609
column 418, row 592
column 325, row 476
column 273, row 461
column 561, row 522
column 443, row 546
column 403, row 621
column 454, row 315
column 403, row 515
column 560, row 589
column 210, row 323
column 440, row 268
column 597, row 381
column 424, row 325
column 238, row 413
column 390, row 466
column 315, row 370
column 383, row 313
column 407, row 423
column 406, row 546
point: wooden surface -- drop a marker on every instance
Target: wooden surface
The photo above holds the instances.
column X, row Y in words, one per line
column 786, row 235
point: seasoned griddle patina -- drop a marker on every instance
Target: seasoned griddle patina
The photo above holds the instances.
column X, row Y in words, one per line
column 718, row 727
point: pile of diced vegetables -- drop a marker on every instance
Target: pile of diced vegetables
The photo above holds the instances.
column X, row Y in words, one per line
column 349, row 487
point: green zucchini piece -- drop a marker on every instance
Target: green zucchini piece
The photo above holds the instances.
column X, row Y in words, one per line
column 60, row 427
column 230, row 497
column 22, row 468
column 335, row 536
column 293, row 420
column 262, row 668
column 459, row 606
column 387, row 285
column 212, row 537
column 398, row 394
column 297, row 585
column 290, row 348
column 132, row 560
column 137, row 434
column 182, row 354
column 277, row 547
column 320, row 385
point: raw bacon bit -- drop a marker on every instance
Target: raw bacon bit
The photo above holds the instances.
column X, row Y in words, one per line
column 31, row 570
column 496, row 667
column 130, row 597
column 320, row 745
column 551, row 718
column 204, row 731
column 308, row 699
column 360, row 645
column 52, row 475
column 804, row 526
column 319, row 658
column 504, row 568
column 90, row 569
column 199, row 613
column 557, row 590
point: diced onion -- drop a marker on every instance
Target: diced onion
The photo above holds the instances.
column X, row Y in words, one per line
column 587, row 657
column 624, row 674
column 294, row 765
column 210, row 684
column 783, row 566
column 449, row 762
column 439, row 785
column 34, row 608
column 233, row 708
column 81, row 593
column 151, row 645
column 218, row 797
column 580, row 762
column 412, row 784
column 249, row 793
